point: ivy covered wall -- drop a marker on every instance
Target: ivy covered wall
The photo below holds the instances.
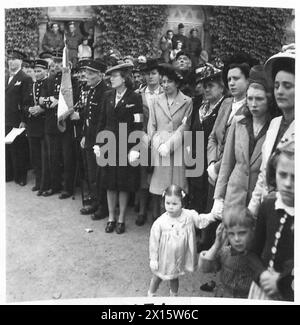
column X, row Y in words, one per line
column 131, row 29
column 21, row 29
column 135, row 29
column 258, row 31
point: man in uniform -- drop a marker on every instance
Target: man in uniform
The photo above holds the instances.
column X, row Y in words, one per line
column 53, row 40
column 35, row 121
column 17, row 86
column 94, row 74
column 73, row 39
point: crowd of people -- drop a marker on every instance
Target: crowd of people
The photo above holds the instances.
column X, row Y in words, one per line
column 237, row 212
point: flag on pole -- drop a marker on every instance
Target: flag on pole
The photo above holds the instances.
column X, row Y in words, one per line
column 65, row 99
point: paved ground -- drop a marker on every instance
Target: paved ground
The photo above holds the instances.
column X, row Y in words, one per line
column 51, row 256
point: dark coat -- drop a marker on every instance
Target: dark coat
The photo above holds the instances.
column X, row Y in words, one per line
column 268, row 223
column 36, row 124
column 15, row 99
column 206, row 125
column 183, row 39
column 128, row 109
column 52, row 42
column 91, row 113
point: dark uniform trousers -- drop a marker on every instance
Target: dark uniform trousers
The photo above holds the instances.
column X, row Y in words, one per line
column 36, row 136
column 91, row 116
column 68, row 156
column 60, row 145
column 16, row 158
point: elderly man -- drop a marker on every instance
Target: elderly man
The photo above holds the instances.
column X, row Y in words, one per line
column 184, row 64
column 97, row 87
column 17, row 86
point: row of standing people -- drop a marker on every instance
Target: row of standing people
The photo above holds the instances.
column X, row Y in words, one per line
column 254, row 247
column 170, row 114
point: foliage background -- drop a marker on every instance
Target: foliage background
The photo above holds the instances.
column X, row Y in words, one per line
column 21, row 29
column 135, row 29
column 257, row 31
column 132, row 30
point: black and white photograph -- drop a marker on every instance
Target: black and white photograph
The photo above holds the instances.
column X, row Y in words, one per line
column 148, row 153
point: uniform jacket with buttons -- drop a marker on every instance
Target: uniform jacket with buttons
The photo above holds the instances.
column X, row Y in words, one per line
column 15, row 99
column 91, row 113
column 238, row 173
column 217, row 138
column 36, row 124
column 53, row 89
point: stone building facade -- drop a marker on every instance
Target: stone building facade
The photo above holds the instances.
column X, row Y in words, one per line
column 190, row 15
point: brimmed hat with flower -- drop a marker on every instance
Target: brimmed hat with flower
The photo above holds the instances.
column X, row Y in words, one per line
column 209, row 71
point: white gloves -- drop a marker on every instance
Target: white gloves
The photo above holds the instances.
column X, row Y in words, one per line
column 133, row 156
column 163, row 150
column 82, row 143
column 97, row 150
column 54, row 101
column 154, row 265
column 212, row 175
column 74, row 116
column 217, row 209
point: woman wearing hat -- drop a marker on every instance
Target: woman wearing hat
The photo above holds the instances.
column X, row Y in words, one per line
column 152, row 90
column 120, row 105
column 169, row 117
column 280, row 69
column 235, row 75
column 242, row 153
column 210, row 77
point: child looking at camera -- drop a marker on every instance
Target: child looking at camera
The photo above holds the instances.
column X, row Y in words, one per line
column 274, row 234
column 231, row 260
column 172, row 241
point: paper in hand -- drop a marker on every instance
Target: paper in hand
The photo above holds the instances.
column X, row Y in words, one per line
column 11, row 136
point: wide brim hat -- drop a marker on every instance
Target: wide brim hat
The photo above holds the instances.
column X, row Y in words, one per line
column 170, row 71
column 118, row 67
column 41, row 63
column 207, row 72
column 286, row 56
column 95, row 65
column 238, row 58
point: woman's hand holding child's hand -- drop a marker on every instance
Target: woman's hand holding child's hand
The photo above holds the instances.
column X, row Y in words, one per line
column 268, row 281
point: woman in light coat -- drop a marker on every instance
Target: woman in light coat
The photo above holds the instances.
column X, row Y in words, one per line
column 169, row 117
column 242, row 153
